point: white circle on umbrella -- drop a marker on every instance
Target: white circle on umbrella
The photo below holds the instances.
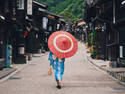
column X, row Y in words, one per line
column 63, row 51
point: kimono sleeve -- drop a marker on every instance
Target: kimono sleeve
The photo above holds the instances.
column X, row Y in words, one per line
column 50, row 57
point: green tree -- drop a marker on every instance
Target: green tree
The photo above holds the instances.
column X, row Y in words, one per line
column 70, row 9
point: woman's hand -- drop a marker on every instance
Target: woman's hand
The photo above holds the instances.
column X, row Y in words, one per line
column 54, row 57
column 60, row 59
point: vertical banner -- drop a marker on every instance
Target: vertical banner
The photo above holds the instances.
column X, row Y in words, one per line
column 20, row 4
column 121, row 51
column 114, row 12
column 45, row 22
column 58, row 26
column 29, row 7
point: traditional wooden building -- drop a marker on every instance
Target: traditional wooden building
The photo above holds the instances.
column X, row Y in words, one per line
column 106, row 19
column 25, row 25
column 61, row 24
column 35, row 37
column 52, row 26
column 119, row 28
column 7, row 13
column 15, row 12
column 44, row 23
column 2, row 40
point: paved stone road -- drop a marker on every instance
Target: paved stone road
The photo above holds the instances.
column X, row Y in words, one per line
column 80, row 77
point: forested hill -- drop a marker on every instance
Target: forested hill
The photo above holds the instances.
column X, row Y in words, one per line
column 69, row 9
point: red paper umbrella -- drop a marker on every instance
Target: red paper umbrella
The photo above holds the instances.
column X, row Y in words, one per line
column 62, row 44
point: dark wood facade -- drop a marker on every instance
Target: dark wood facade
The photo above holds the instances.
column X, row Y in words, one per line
column 109, row 15
column 2, row 42
column 26, row 26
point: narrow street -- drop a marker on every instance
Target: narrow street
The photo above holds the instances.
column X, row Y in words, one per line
column 80, row 77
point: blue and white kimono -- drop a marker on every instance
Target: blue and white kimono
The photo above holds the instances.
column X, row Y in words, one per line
column 58, row 67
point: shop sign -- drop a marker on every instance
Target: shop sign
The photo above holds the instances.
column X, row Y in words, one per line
column 50, row 28
column 21, row 50
column 121, row 51
column 58, row 26
column 45, row 22
column 20, row 4
column 29, row 7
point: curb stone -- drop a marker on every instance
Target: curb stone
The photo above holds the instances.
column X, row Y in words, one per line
column 16, row 69
column 118, row 76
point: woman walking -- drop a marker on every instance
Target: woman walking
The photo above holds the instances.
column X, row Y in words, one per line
column 58, row 67
column 62, row 45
